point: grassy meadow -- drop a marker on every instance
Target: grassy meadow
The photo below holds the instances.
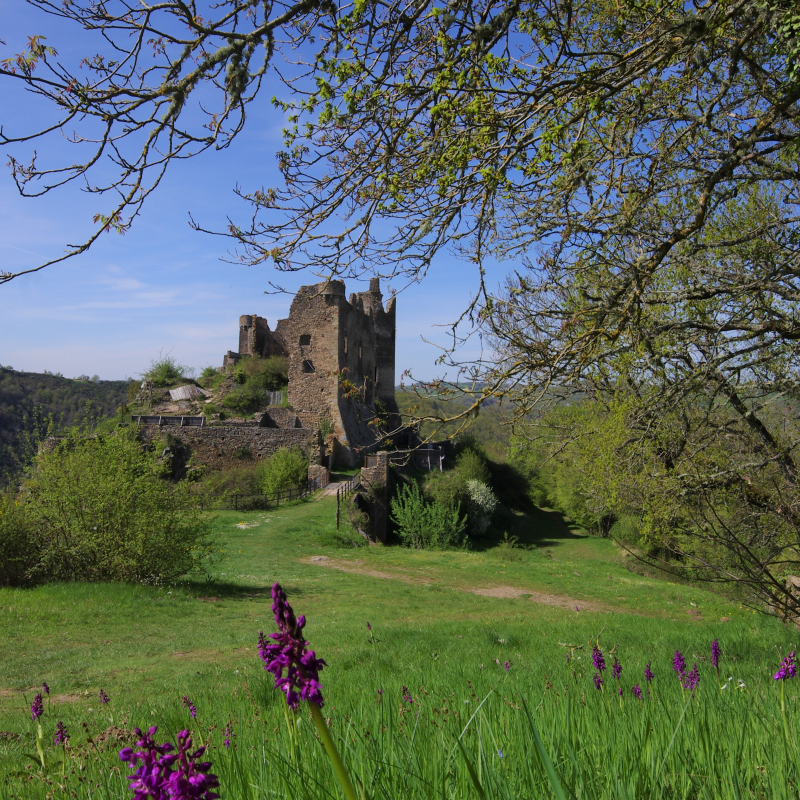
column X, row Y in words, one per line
column 486, row 643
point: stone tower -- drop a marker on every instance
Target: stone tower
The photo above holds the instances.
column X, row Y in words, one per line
column 330, row 338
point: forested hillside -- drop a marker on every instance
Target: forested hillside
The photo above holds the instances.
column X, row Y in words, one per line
column 489, row 427
column 26, row 396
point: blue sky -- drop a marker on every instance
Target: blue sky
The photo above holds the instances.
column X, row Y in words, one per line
column 162, row 287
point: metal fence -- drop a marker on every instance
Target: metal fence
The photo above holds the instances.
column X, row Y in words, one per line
column 157, row 419
column 344, row 491
column 253, row 502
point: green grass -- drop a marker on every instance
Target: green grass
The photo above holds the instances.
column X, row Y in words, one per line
column 148, row 646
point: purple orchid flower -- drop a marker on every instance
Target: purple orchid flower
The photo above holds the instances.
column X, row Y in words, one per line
column 637, row 692
column 187, row 703
column 679, row 663
column 37, row 707
column 104, row 698
column 648, row 673
column 62, row 737
column 598, row 681
column 788, row 668
column 616, row 669
column 597, row 659
column 715, row 653
column 691, row 679
column 290, row 653
column 163, row 775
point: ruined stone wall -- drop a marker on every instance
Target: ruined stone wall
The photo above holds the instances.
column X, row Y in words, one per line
column 230, row 446
column 312, row 341
column 278, row 417
column 376, row 482
column 256, row 339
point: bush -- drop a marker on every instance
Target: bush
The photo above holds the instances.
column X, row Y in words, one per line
column 481, row 508
column 165, row 371
column 246, row 400
column 208, row 372
column 446, row 488
column 286, row 469
column 471, row 465
column 104, row 514
column 20, row 546
column 263, row 373
column 421, row 524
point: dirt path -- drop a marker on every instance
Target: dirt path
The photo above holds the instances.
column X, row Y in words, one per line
column 329, row 490
column 499, row 591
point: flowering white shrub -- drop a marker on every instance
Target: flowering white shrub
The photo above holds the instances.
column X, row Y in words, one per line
column 482, row 505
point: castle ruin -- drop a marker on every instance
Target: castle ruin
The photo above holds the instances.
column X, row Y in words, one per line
column 341, row 362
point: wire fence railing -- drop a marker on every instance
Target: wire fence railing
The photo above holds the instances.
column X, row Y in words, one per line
column 236, row 501
column 344, row 491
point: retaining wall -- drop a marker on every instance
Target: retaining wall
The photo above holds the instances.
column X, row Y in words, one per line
column 230, row 446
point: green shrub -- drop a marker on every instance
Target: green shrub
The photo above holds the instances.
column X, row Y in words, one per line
column 263, row 373
column 244, row 480
column 208, row 372
column 20, row 545
column 420, row 524
column 104, row 514
column 244, row 400
column 165, row 371
column 471, row 465
column 286, row 469
column 481, row 508
column 446, row 488
column 325, row 426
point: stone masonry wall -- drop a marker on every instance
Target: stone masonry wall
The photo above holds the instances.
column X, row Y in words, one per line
column 224, row 447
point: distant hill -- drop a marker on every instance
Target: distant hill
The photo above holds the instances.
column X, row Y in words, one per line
column 26, row 395
column 488, row 428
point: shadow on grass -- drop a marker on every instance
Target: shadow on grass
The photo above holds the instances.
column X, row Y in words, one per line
column 537, row 528
column 213, row 590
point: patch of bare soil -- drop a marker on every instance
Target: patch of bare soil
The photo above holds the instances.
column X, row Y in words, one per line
column 115, row 735
column 357, row 568
column 541, row 598
column 503, row 592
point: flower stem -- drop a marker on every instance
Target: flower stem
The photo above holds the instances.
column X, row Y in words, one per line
column 333, row 753
column 783, row 713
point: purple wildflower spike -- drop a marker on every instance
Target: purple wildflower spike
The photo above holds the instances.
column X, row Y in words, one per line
column 289, row 653
column 788, row 668
column 597, row 659
column 648, row 673
column 407, row 698
column 507, row 666
column 187, row 703
column 228, row 734
column 37, row 707
column 169, row 776
column 369, row 627
column 691, row 679
column 62, row 737
column 45, row 688
column 679, row 663
column 104, row 698
column 637, row 692
column 616, row 670
column 598, row 681
column 715, row 653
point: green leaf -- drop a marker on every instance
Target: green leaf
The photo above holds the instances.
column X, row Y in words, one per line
column 547, row 763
